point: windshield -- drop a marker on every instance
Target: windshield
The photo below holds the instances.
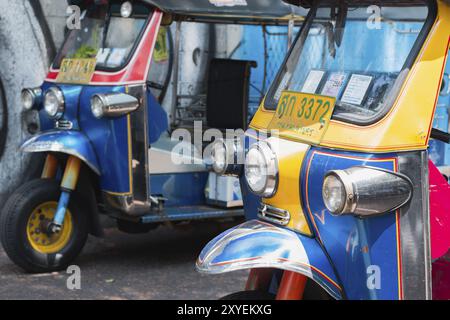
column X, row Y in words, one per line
column 105, row 35
column 359, row 55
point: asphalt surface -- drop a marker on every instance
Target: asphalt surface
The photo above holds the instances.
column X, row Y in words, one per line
column 156, row 265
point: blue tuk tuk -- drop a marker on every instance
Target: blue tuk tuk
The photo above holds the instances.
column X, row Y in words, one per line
column 111, row 146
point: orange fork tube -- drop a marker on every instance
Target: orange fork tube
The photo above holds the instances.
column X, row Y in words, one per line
column 68, row 184
column 292, row 286
column 50, row 167
column 259, row 279
column 71, row 174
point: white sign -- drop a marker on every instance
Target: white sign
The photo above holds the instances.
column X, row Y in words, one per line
column 312, row 82
column 356, row 89
column 334, row 84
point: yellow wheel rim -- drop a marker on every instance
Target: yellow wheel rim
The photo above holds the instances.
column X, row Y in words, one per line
column 38, row 238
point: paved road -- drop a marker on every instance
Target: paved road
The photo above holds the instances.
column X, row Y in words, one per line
column 157, row 265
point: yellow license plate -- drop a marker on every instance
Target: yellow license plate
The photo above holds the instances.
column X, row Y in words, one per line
column 78, row 71
column 303, row 116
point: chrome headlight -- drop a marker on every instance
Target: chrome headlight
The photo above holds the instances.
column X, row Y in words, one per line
column 113, row 104
column 261, row 170
column 225, row 156
column 126, row 9
column 54, row 103
column 365, row 191
column 30, row 97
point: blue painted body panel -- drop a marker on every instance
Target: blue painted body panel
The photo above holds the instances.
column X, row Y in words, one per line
column 187, row 213
column 180, row 189
column 109, row 136
column 353, row 244
column 157, row 119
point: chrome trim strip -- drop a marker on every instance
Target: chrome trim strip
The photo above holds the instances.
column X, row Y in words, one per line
column 275, row 215
column 126, row 204
column 415, row 229
column 63, row 124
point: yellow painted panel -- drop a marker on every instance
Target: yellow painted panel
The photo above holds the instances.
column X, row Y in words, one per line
column 290, row 158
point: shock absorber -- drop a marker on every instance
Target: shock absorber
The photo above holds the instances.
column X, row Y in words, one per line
column 292, row 286
column 68, row 184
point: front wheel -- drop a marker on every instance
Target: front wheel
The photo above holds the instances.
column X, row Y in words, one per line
column 23, row 227
column 250, row 295
column 312, row 292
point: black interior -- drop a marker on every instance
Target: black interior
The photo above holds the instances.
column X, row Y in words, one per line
column 228, row 93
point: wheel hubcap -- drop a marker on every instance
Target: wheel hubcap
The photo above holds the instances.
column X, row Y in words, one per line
column 37, row 229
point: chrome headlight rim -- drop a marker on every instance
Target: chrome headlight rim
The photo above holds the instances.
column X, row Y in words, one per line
column 220, row 170
column 231, row 166
column 126, row 9
column 60, row 101
column 115, row 104
column 349, row 204
column 35, row 95
column 272, row 177
column 355, row 198
column 103, row 102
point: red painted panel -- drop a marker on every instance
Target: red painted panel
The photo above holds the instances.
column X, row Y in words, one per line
column 136, row 71
column 439, row 212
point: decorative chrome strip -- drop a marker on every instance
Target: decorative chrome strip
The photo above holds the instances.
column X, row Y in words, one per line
column 275, row 215
column 63, row 124
column 415, row 229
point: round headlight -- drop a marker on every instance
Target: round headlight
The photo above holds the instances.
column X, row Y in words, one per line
column 27, row 98
column 97, row 107
column 219, row 156
column 334, row 194
column 261, row 170
column 126, row 9
column 54, row 103
column 30, row 97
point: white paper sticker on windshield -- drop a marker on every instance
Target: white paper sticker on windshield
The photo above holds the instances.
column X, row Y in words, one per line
column 102, row 54
column 334, row 84
column 356, row 89
column 117, row 57
column 313, row 81
column 228, row 3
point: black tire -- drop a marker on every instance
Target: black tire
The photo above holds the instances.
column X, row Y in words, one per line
column 250, row 296
column 13, row 225
column 312, row 292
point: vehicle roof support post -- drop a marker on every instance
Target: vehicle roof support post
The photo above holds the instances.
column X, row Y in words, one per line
column 176, row 56
column 290, row 35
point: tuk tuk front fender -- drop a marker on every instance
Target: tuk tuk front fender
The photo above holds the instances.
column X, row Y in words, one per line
column 69, row 142
column 256, row 244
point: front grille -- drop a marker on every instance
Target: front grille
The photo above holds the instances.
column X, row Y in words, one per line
column 64, row 124
column 274, row 215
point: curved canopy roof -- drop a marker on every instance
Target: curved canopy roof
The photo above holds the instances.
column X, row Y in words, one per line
column 274, row 11
column 232, row 11
column 308, row 3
